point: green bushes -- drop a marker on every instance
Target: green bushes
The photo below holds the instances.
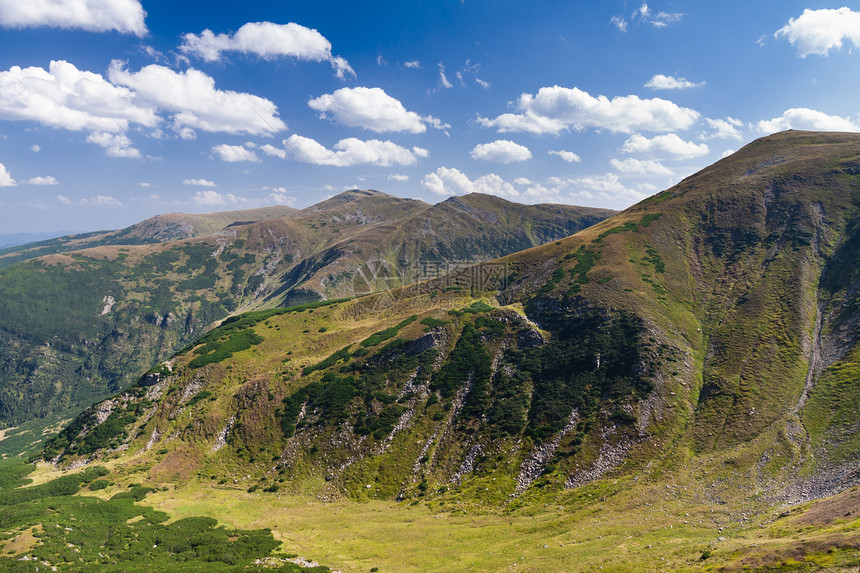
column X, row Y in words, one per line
column 384, row 335
column 327, row 398
column 90, row 534
column 469, row 358
column 431, row 322
column 340, row 355
column 218, row 350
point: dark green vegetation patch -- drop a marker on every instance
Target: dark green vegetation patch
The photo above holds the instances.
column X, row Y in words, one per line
column 90, row 534
column 384, row 335
column 224, row 348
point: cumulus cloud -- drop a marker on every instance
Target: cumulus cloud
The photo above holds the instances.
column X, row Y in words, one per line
column 727, row 128
column 47, row 180
column 35, row 148
column 235, row 153
column 412, row 65
column 125, row 16
column 568, row 156
column 279, row 196
column 199, row 182
column 103, row 201
column 273, row 151
column 65, row 97
column 661, row 82
column 211, row 198
column 501, row 151
column 819, row 31
column 115, row 144
column 669, row 145
column 398, row 177
column 197, row 103
column 608, row 187
column 269, row 41
column 371, row 108
column 556, row 108
column 352, row 151
column 450, row 181
column 641, row 167
column 5, row 177
column 804, row 118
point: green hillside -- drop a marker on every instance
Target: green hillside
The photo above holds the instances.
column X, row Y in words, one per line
column 80, row 325
column 693, row 354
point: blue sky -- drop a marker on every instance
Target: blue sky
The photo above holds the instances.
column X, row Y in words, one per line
column 112, row 111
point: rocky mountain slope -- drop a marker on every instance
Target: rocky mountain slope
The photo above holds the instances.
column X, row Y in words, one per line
column 704, row 339
column 80, row 325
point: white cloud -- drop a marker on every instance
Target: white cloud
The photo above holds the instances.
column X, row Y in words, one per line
column 47, row 180
column 443, row 79
column 819, row 31
column 199, row 182
column 65, row 97
column 5, row 177
column 482, row 83
column 64, row 200
column 641, row 167
column 235, row 153
column 609, row 187
column 197, row 103
column 646, row 15
column 669, row 145
column 420, row 152
column 726, row 153
column 351, row 151
column 804, row 118
column 555, row 108
column 126, row 16
column 211, row 198
column 619, row 22
column 103, row 201
column 661, row 82
column 412, row 65
column 398, row 177
column 35, row 148
column 568, row 156
column 724, row 128
column 501, row 151
column 269, row 41
column 658, row 19
column 449, row 181
column 371, row 108
column 144, row 185
column 273, row 151
column 279, row 197
column 115, row 144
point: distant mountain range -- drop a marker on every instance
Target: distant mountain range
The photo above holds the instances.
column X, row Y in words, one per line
column 83, row 316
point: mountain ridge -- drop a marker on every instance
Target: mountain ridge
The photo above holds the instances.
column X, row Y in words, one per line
column 80, row 325
column 677, row 321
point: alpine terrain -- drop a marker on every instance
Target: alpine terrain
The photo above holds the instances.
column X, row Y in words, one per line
column 657, row 391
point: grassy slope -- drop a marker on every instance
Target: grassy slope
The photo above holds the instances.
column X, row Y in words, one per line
column 727, row 293
column 166, row 295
